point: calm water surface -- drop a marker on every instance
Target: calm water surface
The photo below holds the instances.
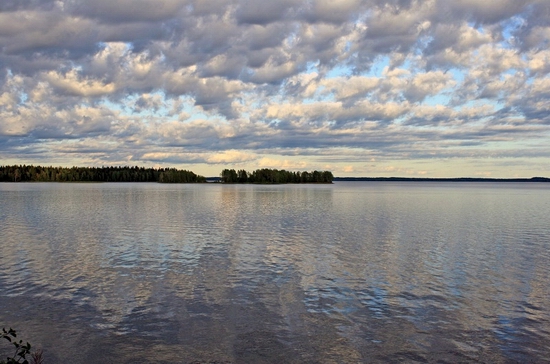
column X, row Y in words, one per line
column 346, row 273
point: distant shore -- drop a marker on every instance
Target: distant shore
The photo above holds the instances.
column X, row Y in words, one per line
column 31, row 173
column 461, row 179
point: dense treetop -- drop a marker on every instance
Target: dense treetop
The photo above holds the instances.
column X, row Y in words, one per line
column 25, row 173
column 275, row 176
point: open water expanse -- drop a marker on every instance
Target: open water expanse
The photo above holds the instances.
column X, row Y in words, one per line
column 353, row 272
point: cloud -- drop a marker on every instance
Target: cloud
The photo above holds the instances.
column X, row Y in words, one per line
column 231, row 157
column 240, row 81
column 72, row 84
column 127, row 10
column 285, row 164
column 263, row 13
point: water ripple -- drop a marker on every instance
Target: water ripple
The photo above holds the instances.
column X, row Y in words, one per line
column 339, row 273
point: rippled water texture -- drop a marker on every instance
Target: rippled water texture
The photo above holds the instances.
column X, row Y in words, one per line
column 342, row 273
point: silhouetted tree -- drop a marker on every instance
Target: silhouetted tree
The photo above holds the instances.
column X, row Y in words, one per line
column 271, row 176
column 94, row 174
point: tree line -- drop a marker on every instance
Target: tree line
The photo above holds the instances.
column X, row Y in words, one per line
column 275, row 176
column 30, row 173
column 24, row 173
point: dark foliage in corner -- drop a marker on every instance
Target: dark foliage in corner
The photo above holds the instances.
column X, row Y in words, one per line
column 22, row 350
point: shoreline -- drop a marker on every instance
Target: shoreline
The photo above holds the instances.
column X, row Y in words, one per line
column 459, row 179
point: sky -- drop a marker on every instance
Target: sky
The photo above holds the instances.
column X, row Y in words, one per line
column 435, row 88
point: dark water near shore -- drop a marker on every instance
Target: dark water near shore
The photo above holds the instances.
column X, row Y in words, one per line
column 346, row 273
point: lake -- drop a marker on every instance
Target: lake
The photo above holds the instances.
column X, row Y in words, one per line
column 353, row 272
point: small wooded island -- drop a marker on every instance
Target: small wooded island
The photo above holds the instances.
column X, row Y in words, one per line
column 24, row 173
column 275, row 176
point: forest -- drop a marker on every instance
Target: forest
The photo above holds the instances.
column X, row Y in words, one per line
column 275, row 176
column 24, row 173
column 30, row 173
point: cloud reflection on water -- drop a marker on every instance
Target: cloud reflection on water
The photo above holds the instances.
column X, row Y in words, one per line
column 339, row 273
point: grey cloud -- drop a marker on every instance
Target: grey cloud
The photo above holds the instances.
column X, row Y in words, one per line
column 264, row 12
column 230, row 66
column 38, row 31
column 180, row 158
column 208, row 36
column 258, row 37
column 530, row 33
column 444, row 35
column 257, row 59
column 126, row 10
column 334, row 12
column 482, row 12
column 148, row 102
column 274, row 74
column 16, row 5
column 212, row 7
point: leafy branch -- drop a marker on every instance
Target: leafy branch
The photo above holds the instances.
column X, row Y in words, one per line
column 21, row 349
